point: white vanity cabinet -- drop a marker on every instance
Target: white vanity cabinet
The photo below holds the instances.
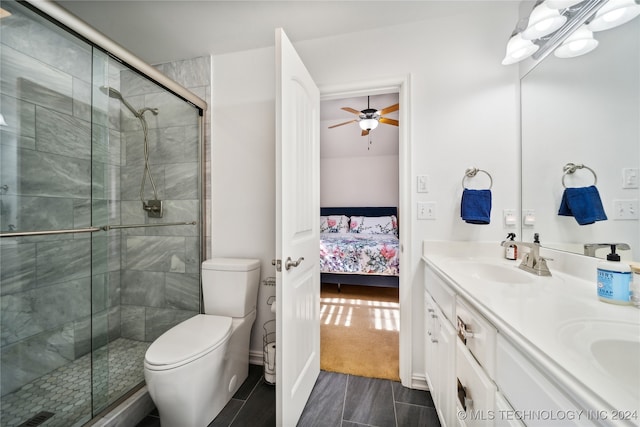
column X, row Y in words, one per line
column 461, row 361
column 440, row 360
column 457, row 381
column 526, row 350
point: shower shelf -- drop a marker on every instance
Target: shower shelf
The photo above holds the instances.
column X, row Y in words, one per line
column 91, row 229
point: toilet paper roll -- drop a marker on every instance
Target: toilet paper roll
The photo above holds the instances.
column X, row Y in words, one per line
column 273, row 307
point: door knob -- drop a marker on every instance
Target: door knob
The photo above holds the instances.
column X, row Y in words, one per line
column 289, row 263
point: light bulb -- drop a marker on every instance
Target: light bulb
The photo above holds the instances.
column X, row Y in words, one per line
column 613, row 14
column 518, row 49
column 581, row 41
column 542, row 21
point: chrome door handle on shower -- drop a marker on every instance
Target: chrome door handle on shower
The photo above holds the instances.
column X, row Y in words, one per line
column 288, row 264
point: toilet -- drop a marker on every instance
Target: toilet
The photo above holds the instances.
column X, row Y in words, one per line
column 194, row 368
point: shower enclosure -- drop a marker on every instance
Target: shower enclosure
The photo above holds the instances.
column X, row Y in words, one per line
column 100, row 218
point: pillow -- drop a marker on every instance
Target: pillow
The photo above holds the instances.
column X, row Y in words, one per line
column 334, row 224
column 374, row 225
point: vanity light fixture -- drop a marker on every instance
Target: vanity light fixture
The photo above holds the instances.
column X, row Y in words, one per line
column 518, row 49
column 614, row 13
column 543, row 21
column 581, row 41
column 572, row 15
column 368, row 124
column 562, row 4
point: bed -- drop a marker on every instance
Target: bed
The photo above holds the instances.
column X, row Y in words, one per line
column 359, row 246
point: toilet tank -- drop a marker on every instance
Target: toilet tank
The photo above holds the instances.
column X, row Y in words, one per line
column 230, row 286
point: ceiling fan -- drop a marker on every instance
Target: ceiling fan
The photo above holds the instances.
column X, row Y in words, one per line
column 368, row 119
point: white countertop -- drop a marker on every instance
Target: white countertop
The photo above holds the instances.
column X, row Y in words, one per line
column 558, row 321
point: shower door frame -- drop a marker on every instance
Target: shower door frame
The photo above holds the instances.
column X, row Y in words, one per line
column 67, row 22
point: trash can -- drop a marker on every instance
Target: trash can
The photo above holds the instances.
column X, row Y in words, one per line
column 269, row 345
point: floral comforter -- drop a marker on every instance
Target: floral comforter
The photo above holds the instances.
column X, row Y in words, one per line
column 359, row 253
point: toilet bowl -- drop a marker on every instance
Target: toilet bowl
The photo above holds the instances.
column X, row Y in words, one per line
column 194, row 368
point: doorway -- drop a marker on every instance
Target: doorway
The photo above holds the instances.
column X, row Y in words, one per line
column 360, row 168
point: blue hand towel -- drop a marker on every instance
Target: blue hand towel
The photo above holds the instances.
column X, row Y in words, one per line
column 476, row 206
column 582, row 203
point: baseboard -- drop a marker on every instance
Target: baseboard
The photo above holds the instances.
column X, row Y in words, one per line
column 419, row 382
column 256, row 357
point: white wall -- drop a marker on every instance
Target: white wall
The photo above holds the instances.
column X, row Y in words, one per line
column 463, row 113
column 359, row 181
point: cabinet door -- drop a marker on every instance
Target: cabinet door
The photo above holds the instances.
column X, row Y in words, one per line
column 476, row 391
column 447, row 370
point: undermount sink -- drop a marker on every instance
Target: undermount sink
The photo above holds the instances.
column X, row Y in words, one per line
column 613, row 345
column 495, row 272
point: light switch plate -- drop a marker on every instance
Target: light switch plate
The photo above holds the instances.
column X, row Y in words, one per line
column 630, row 178
column 423, row 183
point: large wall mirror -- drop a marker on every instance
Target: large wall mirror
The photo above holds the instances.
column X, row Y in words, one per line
column 586, row 111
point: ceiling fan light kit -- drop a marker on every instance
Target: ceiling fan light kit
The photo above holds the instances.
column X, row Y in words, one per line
column 369, row 118
column 368, row 124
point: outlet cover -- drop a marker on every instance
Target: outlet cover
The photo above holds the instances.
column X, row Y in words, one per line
column 426, row 210
column 625, row 210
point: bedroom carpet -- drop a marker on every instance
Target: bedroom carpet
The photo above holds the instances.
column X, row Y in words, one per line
column 359, row 331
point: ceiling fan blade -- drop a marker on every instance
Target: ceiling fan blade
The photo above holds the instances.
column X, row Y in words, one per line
column 365, row 132
column 341, row 124
column 351, row 110
column 389, row 109
column 388, row 121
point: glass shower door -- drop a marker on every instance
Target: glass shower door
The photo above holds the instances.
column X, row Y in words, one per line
column 91, row 270
column 45, row 186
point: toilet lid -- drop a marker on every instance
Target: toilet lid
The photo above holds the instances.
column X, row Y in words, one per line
column 188, row 341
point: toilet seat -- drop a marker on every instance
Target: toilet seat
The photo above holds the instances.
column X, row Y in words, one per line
column 187, row 341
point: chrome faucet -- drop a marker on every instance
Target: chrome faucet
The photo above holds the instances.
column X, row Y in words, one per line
column 590, row 248
column 532, row 262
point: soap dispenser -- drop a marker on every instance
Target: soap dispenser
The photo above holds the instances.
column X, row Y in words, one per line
column 614, row 280
column 511, row 249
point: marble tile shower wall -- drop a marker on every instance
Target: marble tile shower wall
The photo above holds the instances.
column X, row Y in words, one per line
column 144, row 280
column 45, row 173
column 160, row 284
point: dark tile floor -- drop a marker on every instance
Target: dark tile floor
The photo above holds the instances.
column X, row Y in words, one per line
column 337, row 400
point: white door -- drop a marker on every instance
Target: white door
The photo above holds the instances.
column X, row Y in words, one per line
column 297, row 233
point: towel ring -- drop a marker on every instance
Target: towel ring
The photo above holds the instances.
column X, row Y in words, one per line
column 570, row 168
column 472, row 172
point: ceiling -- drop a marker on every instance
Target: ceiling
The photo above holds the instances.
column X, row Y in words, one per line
column 170, row 30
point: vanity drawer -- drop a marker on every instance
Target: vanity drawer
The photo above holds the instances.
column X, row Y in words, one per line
column 478, row 335
column 476, row 391
column 444, row 297
column 530, row 392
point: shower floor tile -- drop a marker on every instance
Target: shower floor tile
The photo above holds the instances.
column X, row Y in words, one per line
column 67, row 391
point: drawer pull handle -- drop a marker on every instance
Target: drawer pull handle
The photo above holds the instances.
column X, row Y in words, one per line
column 464, row 332
column 462, row 396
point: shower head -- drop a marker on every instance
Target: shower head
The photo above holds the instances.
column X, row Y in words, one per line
column 113, row 93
